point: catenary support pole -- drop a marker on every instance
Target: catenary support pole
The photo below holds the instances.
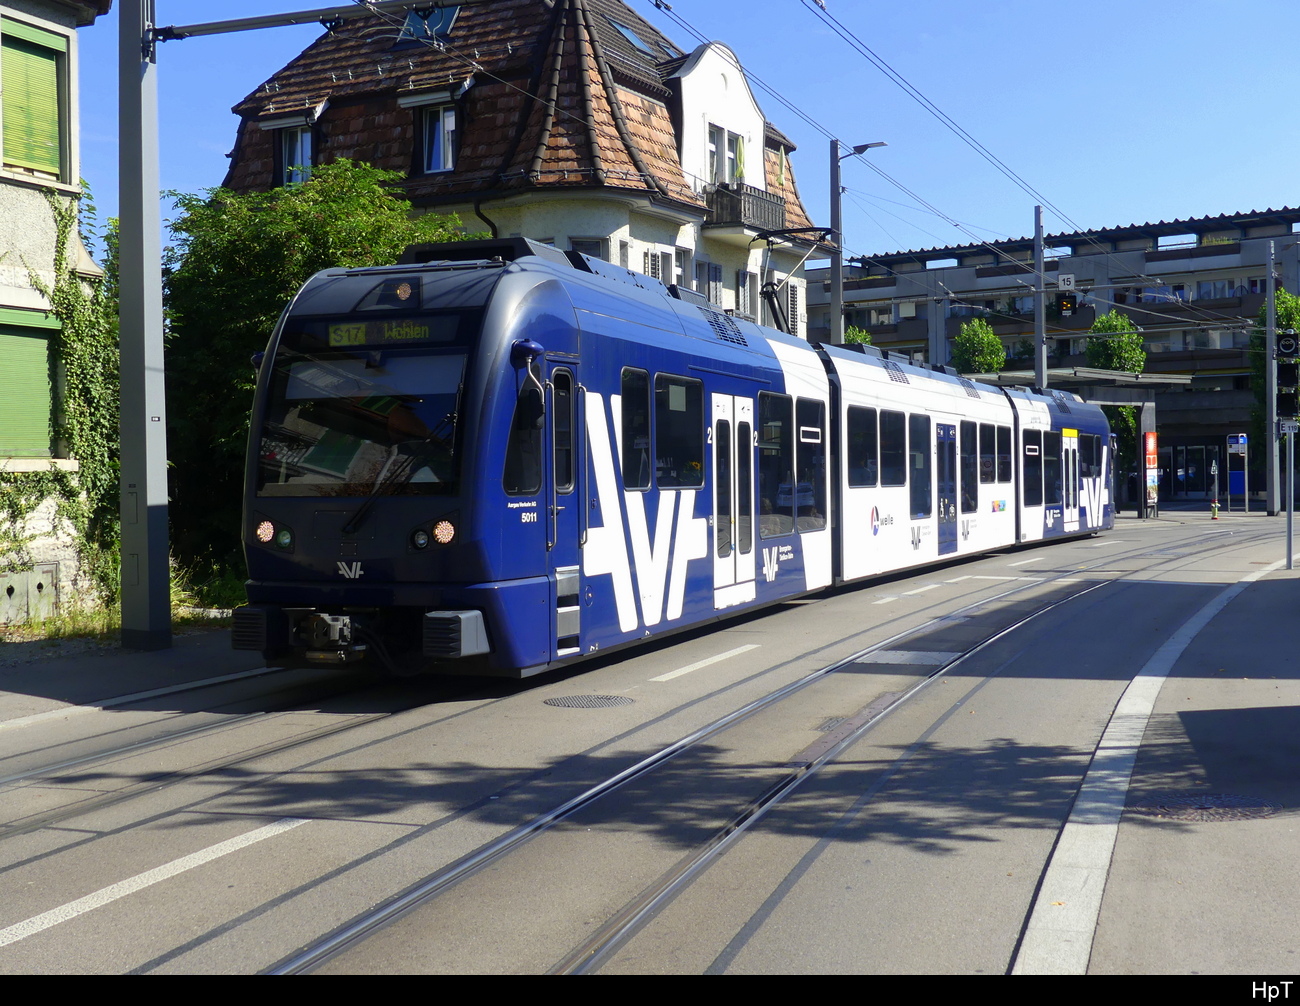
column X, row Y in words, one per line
column 1271, row 488
column 146, row 585
column 1040, row 305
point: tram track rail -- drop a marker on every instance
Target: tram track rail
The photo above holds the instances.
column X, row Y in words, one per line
column 593, row 951
column 623, row 924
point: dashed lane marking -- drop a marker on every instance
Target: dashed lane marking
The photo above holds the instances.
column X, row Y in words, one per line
column 107, row 895
column 706, row 662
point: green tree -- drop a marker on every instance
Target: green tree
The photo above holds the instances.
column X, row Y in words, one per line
column 1114, row 343
column 235, row 261
column 855, row 334
column 977, row 349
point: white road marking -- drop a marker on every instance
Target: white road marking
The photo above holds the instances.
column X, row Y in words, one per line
column 908, row 657
column 992, row 577
column 885, row 600
column 920, row 590
column 1037, row 558
column 706, row 662
column 46, row 920
column 1058, row 939
column 95, row 705
column 957, row 579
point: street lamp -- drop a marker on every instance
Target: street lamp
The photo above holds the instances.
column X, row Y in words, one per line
column 837, row 238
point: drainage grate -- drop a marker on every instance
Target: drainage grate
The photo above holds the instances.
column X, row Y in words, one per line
column 1204, row 807
column 589, row 701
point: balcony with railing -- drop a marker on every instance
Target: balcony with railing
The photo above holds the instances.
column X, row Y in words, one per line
column 740, row 205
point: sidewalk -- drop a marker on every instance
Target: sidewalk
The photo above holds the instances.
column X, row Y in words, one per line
column 84, row 672
column 1204, row 874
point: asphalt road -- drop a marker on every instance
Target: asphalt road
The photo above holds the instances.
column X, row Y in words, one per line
column 975, row 828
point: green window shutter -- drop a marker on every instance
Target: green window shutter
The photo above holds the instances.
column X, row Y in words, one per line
column 30, row 82
column 25, row 396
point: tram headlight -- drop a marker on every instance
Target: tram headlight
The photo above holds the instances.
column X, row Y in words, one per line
column 264, row 532
column 443, row 532
column 420, row 538
column 284, row 538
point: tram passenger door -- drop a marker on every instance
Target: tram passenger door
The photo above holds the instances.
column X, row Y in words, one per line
column 1070, row 478
column 732, row 435
column 564, row 516
column 946, row 442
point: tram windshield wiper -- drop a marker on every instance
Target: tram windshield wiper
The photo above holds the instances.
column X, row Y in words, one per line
column 398, row 473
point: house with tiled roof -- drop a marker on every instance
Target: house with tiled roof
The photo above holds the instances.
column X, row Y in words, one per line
column 574, row 122
column 40, row 562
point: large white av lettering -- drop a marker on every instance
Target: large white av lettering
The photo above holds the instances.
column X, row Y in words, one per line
column 659, row 563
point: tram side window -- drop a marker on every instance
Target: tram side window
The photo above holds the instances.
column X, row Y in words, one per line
column 863, row 460
column 745, row 486
column 1090, row 455
column 988, row 451
column 893, row 449
column 562, row 381
column 1053, row 478
column 523, row 468
column 636, row 429
column 1033, row 468
column 969, row 469
column 919, row 470
column 679, row 432
column 810, row 487
column 1004, row 453
column 775, row 464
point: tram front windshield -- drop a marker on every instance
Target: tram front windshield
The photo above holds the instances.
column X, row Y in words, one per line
column 362, row 406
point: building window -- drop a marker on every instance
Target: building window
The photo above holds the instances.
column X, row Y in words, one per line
column 32, row 98
column 1214, row 289
column 433, row 24
column 593, row 247
column 26, row 395
column 631, row 36
column 658, row 265
column 295, row 155
column 744, row 296
column 682, row 268
column 439, row 139
column 708, row 281
column 726, row 157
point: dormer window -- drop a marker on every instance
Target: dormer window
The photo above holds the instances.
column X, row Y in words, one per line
column 295, row 155
column 437, row 115
column 439, row 138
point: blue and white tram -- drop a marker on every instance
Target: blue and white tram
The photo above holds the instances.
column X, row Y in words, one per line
column 499, row 458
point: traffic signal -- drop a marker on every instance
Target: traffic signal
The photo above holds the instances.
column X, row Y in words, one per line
column 1288, row 375
column 1067, row 303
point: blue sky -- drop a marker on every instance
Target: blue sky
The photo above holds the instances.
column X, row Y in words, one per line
column 1116, row 112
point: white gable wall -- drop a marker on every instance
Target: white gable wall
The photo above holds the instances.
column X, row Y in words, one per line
column 715, row 92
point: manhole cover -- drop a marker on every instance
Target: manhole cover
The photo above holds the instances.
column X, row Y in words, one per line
column 589, row 701
column 1204, row 807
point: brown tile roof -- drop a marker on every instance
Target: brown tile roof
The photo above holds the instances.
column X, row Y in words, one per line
column 780, row 182
column 556, row 96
